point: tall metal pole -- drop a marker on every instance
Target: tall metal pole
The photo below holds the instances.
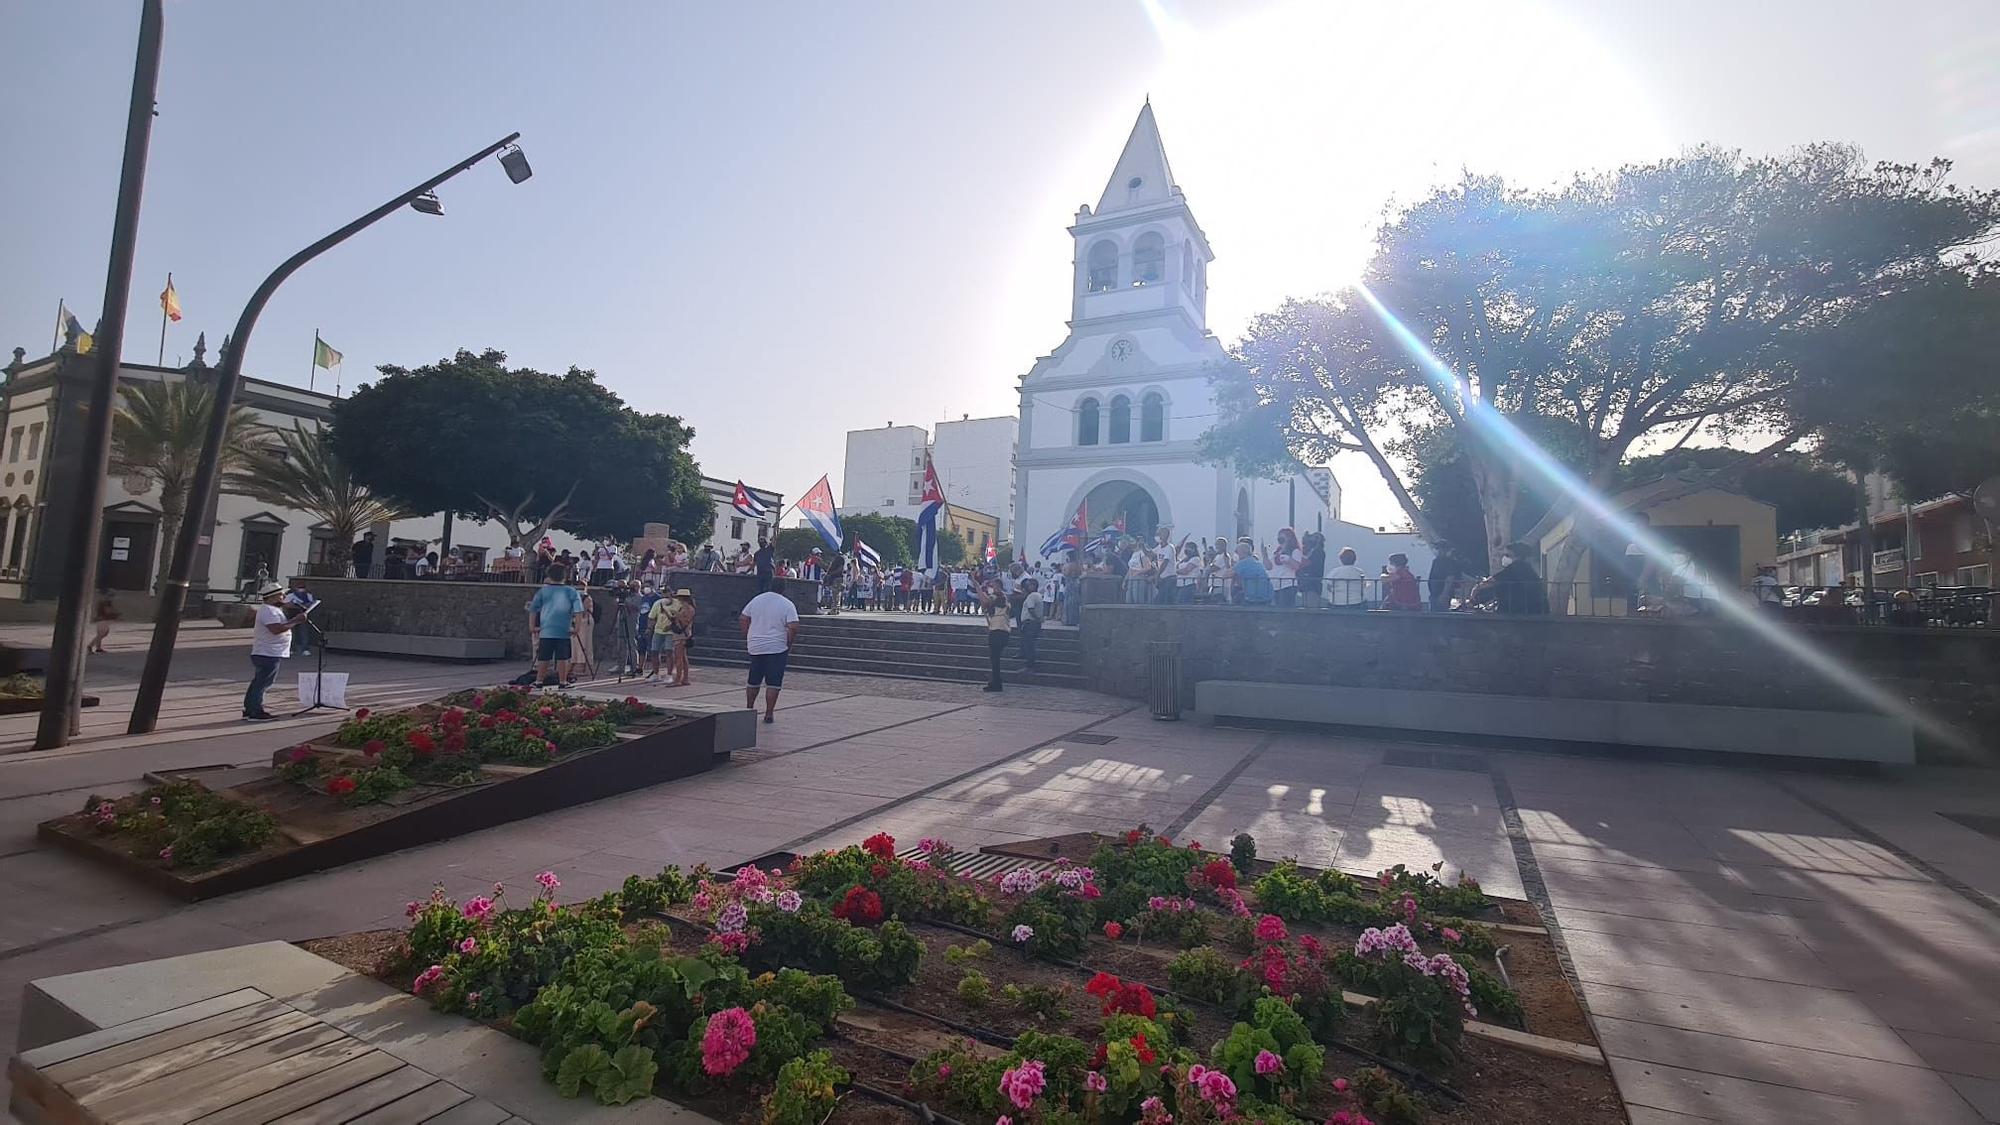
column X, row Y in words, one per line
column 60, row 712
column 174, row 590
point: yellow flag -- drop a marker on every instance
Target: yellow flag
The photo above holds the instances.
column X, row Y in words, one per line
column 170, row 301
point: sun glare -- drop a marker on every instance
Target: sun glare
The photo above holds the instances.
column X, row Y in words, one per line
column 1292, row 129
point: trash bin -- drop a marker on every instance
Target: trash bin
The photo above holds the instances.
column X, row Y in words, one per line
column 1163, row 678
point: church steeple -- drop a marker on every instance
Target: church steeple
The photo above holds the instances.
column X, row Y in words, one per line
column 1142, row 175
column 1141, row 251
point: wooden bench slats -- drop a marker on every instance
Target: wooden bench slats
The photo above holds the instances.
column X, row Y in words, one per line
column 418, row 1107
column 307, row 1091
column 220, row 1083
column 50, row 1054
column 103, row 1083
column 350, row 1104
column 474, row 1112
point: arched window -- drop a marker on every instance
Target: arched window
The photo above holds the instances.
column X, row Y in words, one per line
column 1086, row 422
column 1121, row 420
column 1153, row 417
column 1187, row 266
column 1149, row 259
column 1103, row 269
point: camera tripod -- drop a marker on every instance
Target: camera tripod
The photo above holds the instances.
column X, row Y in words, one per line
column 624, row 624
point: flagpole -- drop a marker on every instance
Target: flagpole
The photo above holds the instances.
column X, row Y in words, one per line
column 162, row 361
column 312, row 365
column 62, row 306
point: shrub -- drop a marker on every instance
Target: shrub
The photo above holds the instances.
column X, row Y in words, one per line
column 1420, row 1015
column 814, row 938
column 377, row 784
column 1062, row 920
column 1205, row 974
column 1243, row 852
column 183, row 824
column 1276, row 1029
column 804, row 1093
column 1175, row 921
column 1291, row 894
column 974, row 989
column 1138, row 869
column 641, row 895
column 962, row 954
column 1385, row 1098
column 1042, row 1001
column 1430, row 892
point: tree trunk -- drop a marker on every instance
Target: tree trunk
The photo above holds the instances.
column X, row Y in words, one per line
column 172, row 511
column 1866, row 529
column 1499, row 492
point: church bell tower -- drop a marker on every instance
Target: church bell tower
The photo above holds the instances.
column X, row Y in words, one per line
column 1140, row 250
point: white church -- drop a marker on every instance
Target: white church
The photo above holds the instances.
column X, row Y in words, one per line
column 1112, row 419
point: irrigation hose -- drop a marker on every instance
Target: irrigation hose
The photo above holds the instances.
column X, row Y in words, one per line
column 1502, row 966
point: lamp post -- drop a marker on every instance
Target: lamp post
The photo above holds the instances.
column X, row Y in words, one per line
column 64, row 690
column 174, row 590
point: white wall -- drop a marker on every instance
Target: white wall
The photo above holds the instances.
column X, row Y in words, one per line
column 879, row 467
column 974, row 459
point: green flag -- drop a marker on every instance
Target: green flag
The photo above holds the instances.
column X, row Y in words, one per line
column 324, row 356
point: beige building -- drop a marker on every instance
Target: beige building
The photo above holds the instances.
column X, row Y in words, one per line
column 974, row 528
column 1727, row 534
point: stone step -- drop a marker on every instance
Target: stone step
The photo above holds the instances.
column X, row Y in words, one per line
column 936, row 640
column 893, row 669
column 968, row 658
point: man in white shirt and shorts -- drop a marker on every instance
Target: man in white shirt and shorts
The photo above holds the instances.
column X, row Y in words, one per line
column 270, row 644
column 770, row 624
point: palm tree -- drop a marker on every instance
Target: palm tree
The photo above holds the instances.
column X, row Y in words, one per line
column 302, row 471
column 157, row 435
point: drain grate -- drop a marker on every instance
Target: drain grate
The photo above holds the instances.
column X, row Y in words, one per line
column 1092, row 739
column 1987, row 825
column 979, row 865
column 1434, row 760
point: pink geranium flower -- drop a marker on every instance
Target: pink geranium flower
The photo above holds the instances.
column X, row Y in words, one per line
column 726, row 1044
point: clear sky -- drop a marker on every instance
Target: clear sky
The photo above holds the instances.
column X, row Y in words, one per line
column 786, row 220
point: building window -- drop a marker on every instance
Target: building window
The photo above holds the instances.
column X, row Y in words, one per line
column 1981, row 575
column 260, row 547
column 1187, row 266
column 1149, row 259
column 1153, row 417
column 1961, row 533
column 736, row 527
column 14, row 444
column 1103, row 268
column 1086, row 422
column 1121, row 420
column 34, row 441
column 20, row 541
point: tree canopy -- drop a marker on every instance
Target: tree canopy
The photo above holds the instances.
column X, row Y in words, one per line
column 1807, row 493
column 1709, row 293
column 533, row 450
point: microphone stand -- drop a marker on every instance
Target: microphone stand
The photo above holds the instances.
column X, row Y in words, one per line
column 319, row 672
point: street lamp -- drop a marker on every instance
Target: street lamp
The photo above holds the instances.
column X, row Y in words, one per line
column 174, row 590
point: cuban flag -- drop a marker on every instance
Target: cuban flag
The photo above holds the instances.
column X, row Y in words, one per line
column 817, row 507
column 927, row 519
column 748, row 505
column 869, row 557
column 1068, row 538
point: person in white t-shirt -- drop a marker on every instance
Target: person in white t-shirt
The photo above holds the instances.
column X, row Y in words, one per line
column 1347, row 584
column 1283, row 564
column 270, row 643
column 770, row 624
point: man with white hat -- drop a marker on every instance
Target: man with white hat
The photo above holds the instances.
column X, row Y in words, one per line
column 270, row 642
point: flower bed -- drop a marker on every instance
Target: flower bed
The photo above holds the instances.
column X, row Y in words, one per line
column 385, row 781
column 1146, row 985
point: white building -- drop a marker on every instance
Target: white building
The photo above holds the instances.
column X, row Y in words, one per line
column 41, row 416
column 974, row 457
column 1112, row 419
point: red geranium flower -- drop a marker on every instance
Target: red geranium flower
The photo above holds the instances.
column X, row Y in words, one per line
column 878, row 870
column 631, row 701
column 422, row 743
column 1220, row 873
column 860, row 905
column 880, row 844
column 1164, row 841
column 454, row 743
column 374, row 746
column 1134, row 836
column 532, row 732
column 488, row 723
column 340, row 786
column 452, row 718
column 1103, row 985
column 1146, row 1054
column 301, row 753
column 1097, row 1060
column 361, row 714
column 1113, row 930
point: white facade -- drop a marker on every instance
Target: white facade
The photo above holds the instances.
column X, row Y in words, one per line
column 974, row 459
column 1112, row 419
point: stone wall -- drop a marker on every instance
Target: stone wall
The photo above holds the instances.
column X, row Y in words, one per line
column 1952, row 676
column 498, row 610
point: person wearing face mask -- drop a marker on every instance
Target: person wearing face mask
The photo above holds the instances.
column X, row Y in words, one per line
column 1515, row 588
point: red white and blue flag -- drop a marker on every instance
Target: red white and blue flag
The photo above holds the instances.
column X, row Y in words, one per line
column 817, row 507
column 927, row 519
column 748, row 504
column 1069, row 538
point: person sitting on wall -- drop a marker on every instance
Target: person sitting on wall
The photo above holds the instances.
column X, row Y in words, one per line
column 1399, row 588
column 1252, row 584
column 1515, row 589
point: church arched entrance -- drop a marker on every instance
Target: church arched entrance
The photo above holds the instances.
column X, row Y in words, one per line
column 1116, row 500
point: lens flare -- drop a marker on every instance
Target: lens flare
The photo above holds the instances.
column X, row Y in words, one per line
column 1494, row 427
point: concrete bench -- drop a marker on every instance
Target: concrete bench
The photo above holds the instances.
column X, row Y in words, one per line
column 427, row 648
column 1841, row 735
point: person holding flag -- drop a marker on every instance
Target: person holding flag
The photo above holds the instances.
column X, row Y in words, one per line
column 927, row 519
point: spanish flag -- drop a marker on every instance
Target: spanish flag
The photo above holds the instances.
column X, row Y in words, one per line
column 170, row 301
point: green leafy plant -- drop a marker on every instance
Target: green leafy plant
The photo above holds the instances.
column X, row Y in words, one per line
column 1431, row 893
column 641, row 896
column 1276, row 1029
column 1387, row 1100
column 975, row 989
column 1205, row 974
column 965, row 954
column 1062, row 920
column 1295, row 896
column 377, row 784
column 1042, row 1001
column 182, row 825
column 804, row 1093
column 872, row 957
column 1243, row 852
column 1496, row 1002
column 1137, row 868
column 614, row 1077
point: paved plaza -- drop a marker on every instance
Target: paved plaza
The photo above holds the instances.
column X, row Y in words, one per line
column 1753, row 946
